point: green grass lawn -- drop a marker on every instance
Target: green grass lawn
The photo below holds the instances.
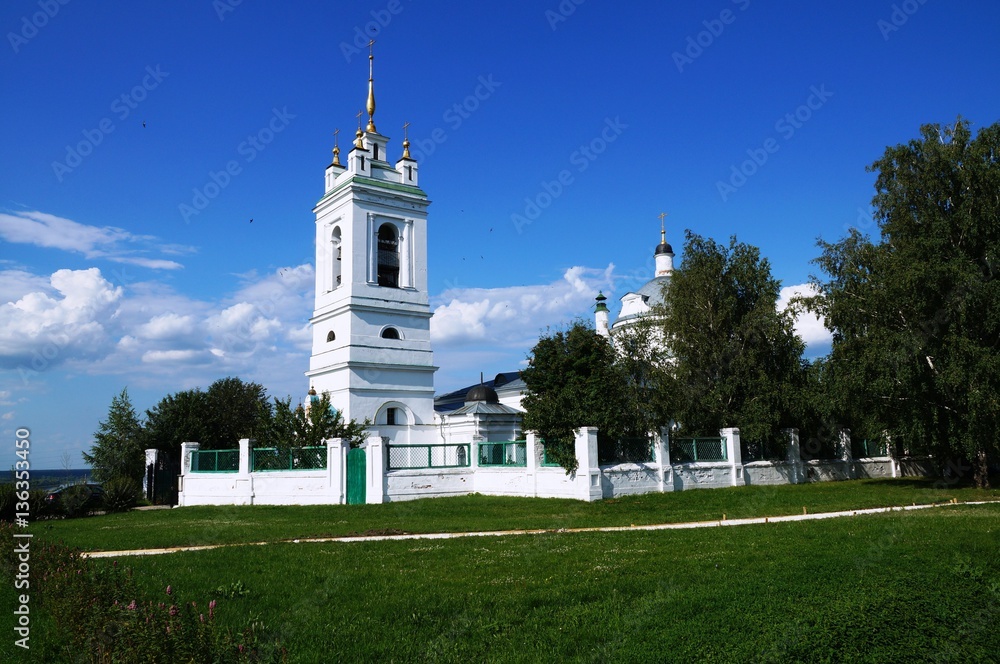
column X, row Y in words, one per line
column 917, row 587
column 905, row 586
column 215, row 525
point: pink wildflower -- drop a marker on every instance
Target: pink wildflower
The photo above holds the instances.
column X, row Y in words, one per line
column 201, row 617
column 170, row 590
column 173, row 610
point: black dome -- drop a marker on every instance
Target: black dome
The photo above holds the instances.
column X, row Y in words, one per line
column 663, row 248
column 482, row 393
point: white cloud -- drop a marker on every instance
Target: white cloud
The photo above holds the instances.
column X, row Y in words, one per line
column 166, row 326
column 151, row 263
column 16, row 283
column 809, row 326
column 153, row 334
column 42, row 330
column 514, row 315
column 114, row 244
column 47, row 230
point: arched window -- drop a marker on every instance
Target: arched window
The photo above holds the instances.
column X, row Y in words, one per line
column 390, row 333
column 388, row 256
column 336, row 246
column 330, row 336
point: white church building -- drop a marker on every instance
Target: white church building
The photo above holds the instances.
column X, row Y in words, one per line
column 371, row 351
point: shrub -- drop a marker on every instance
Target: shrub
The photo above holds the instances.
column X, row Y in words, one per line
column 120, row 494
column 8, row 503
column 102, row 616
column 76, row 501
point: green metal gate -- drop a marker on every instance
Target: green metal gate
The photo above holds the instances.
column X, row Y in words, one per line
column 356, row 476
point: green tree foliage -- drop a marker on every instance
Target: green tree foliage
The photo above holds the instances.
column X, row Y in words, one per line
column 642, row 358
column 117, row 449
column 236, row 409
column 916, row 315
column 298, row 427
column 572, row 382
column 736, row 358
column 177, row 418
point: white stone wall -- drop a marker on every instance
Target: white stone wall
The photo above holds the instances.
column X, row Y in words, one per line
column 589, row 482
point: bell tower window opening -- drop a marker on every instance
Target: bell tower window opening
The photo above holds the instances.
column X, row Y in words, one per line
column 388, row 256
column 374, row 151
column 390, row 333
column 330, row 336
column 337, row 266
column 390, row 416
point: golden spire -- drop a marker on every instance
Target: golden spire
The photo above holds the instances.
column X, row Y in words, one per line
column 406, row 141
column 357, row 141
column 371, row 90
column 663, row 231
column 336, row 148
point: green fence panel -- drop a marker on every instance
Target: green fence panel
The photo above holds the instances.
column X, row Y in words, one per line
column 215, row 461
column 506, row 453
column 691, row 450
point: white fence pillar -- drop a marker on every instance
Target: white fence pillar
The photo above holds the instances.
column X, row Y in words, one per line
column 152, row 456
column 375, row 470
column 666, row 472
column 336, row 469
column 531, row 455
column 734, row 452
column 186, row 450
column 794, row 455
column 244, row 478
column 845, row 452
column 244, row 456
column 588, row 472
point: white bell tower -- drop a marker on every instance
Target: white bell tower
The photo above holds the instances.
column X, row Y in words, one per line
column 371, row 346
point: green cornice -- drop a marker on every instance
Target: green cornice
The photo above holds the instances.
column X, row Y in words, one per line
column 377, row 184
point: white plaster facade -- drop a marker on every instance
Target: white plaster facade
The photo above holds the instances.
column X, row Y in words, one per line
column 371, row 346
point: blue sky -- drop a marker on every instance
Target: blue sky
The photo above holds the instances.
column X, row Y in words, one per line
column 550, row 136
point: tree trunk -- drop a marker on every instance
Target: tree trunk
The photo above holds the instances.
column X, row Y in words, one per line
column 981, row 470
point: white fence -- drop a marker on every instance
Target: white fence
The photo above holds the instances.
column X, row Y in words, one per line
column 406, row 472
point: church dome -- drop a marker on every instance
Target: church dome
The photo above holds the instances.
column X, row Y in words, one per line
column 663, row 248
column 482, row 393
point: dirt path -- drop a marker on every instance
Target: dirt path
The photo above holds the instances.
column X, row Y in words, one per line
column 541, row 531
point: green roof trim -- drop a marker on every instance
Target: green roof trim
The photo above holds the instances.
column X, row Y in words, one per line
column 379, row 184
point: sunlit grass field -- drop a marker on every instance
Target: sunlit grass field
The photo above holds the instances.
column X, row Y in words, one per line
column 919, row 586
column 217, row 525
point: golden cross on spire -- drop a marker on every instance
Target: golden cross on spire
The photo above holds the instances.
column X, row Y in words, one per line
column 663, row 232
column 336, row 147
column 406, row 140
column 371, row 90
column 357, row 141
